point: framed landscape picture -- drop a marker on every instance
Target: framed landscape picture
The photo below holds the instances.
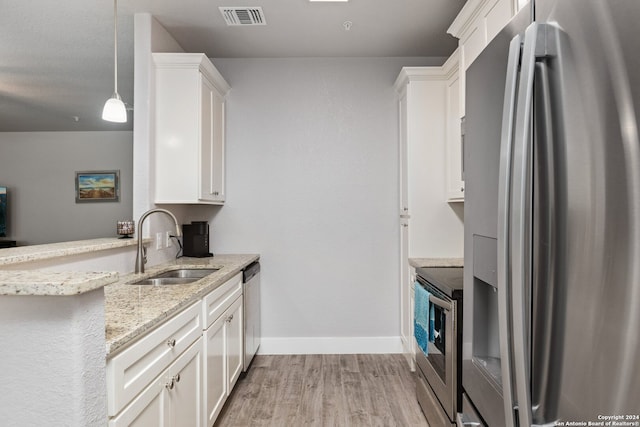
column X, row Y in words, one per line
column 97, row 186
column 3, row 211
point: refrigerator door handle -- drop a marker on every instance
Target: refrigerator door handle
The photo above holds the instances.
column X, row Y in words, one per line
column 544, row 331
column 521, row 221
column 504, row 203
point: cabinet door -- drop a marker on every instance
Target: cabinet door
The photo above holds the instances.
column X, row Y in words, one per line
column 172, row 400
column 206, row 140
column 455, row 182
column 212, row 143
column 215, row 370
column 235, row 342
column 405, row 320
column 146, row 410
column 217, row 159
column 183, row 387
column 189, row 133
column 130, row 371
column 497, row 16
column 406, row 304
column 177, row 135
column 402, row 165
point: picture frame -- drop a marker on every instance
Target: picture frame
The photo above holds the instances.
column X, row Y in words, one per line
column 3, row 211
column 97, row 186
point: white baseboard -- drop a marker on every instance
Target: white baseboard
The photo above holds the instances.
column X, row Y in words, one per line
column 330, row 345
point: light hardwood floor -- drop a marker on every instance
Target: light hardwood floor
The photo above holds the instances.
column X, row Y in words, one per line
column 324, row 390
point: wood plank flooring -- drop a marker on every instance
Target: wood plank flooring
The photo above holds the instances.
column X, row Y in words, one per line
column 324, row 390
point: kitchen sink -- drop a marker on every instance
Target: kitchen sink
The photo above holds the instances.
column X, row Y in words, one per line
column 187, row 273
column 181, row 276
column 162, row 281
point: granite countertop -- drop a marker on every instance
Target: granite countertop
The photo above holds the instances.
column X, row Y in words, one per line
column 132, row 310
column 54, row 250
column 42, row 283
column 436, row 262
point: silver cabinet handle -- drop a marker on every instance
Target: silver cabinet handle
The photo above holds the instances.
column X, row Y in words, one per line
column 229, row 319
column 171, row 343
column 174, row 380
column 462, row 189
column 215, row 193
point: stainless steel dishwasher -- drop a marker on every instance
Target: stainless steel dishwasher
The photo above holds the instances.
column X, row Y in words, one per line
column 251, row 292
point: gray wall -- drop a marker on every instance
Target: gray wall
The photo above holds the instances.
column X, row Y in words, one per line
column 312, row 185
column 39, row 170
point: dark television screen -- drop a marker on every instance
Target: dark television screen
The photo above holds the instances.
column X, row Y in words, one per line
column 3, row 211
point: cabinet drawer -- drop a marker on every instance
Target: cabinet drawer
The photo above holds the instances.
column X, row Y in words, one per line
column 133, row 369
column 218, row 300
column 151, row 407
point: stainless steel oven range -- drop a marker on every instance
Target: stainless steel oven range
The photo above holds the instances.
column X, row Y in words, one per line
column 438, row 373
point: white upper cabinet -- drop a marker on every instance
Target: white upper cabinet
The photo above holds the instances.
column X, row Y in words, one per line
column 455, row 176
column 475, row 26
column 478, row 23
column 189, row 129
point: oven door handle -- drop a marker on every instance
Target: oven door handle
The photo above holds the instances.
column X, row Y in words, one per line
column 441, row 303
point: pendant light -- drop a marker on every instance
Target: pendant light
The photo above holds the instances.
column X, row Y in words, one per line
column 114, row 109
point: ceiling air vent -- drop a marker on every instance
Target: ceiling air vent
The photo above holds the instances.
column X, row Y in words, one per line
column 243, row 15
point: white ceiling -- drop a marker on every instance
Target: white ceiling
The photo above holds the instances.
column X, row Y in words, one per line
column 56, row 58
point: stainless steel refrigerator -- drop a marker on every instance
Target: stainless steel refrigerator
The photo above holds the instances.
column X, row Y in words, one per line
column 552, row 218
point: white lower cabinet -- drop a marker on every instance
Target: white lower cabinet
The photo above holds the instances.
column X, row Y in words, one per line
column 223, row 342
column 129, row 372
column 215, row 370
column 181, row 373
column 235, row 342
column 173, row 399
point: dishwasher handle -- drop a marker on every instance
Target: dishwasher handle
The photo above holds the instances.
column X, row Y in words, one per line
column 250, row 271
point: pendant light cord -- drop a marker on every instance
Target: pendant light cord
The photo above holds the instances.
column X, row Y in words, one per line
column 115, row 47
column 114, row 109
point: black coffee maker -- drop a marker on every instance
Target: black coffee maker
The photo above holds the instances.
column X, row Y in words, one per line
column 195, row 239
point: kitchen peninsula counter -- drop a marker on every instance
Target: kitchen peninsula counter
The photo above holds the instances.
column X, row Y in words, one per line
column 130, row 311
column 26, row 254
column 79, row 317
column 41, row 283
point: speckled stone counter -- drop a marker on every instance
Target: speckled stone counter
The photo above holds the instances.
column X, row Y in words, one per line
column 39, row 283
column 436, row 262
column 54, row 250
column 132, row 310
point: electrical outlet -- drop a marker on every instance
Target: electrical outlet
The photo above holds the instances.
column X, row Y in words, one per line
column 167, row 239
column 158, row 241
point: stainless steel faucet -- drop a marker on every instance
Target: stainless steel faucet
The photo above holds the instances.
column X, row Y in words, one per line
column 141, row 256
